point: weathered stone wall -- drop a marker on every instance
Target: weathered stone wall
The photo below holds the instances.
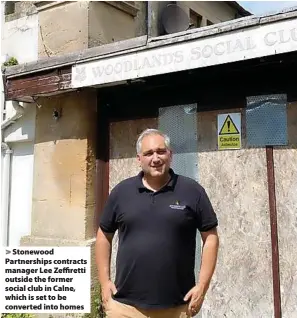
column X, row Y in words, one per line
column 64, row 167
column 108, row 24
column 63, row 28
column 68, row 26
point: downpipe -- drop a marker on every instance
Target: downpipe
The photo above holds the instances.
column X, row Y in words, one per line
column 6, row 153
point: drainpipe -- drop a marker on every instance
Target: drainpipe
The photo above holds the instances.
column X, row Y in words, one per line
column 5, row 192
column 149, row 18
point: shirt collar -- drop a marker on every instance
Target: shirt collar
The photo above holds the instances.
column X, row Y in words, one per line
column 170, row 185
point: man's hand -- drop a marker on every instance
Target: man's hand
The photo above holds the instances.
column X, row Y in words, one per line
column 103, row 255
column 208, row 263
column 196, row 296
column 107, row 290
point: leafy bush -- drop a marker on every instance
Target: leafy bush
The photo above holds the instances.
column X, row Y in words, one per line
column 96, row 303
column 12, row 61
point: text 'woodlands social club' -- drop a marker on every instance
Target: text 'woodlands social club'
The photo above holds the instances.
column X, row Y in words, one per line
column 206, row 51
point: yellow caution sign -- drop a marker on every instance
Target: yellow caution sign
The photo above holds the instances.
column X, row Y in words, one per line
column 228, row 127
column 229, row 131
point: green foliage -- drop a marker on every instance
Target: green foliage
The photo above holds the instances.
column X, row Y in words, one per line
column 96, row 303
column 17, row 316
column 12, row 61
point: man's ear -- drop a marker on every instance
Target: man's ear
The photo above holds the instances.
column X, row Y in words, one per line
column 138, row 159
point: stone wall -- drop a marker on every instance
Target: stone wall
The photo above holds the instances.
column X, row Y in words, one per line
column 70, row 26
column 63, row 28
column 64, row 169
column 109, row 24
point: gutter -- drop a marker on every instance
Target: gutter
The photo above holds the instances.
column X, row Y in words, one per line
column 6, row 152
column 148, row 19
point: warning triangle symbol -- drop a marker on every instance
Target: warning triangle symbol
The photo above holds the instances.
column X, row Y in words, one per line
column 228, row 127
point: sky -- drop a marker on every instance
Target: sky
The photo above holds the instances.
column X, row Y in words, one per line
column 262, row 7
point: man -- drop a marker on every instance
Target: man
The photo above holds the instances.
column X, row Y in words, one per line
column 157, row 214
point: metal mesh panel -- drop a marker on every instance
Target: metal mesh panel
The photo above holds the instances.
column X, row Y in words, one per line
column 180, row 123
column 266, row 120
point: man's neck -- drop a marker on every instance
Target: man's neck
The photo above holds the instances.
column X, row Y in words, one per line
column 155, row 184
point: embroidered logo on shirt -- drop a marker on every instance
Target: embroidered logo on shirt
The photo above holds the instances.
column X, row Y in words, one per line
column 177, row 206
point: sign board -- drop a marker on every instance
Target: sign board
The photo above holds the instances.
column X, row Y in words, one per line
column 229, row 131
column 251, row 42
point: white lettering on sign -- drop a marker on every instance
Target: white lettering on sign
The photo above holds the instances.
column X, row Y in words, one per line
column 263, row 40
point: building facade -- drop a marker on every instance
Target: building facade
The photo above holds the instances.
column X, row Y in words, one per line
column 35, row 30
column 92, row 105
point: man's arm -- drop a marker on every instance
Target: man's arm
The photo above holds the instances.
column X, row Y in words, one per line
column 103, row 255
column 209, row 257
column 208, row 263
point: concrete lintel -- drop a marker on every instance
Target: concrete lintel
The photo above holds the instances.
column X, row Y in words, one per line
column 44, row 5
column 124, row 6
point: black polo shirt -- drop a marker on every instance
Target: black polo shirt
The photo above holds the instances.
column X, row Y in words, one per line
column 157, row 239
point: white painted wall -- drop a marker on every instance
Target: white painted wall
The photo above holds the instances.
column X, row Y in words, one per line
column 24, row 128
column 19, row 38
column 21, row 192
column 20, row 137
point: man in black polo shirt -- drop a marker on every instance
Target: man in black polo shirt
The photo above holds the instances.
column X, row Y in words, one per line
column 157, row 214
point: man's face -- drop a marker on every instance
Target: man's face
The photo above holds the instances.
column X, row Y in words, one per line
column 154, row 157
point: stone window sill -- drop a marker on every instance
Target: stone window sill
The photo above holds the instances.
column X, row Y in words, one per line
column 124, row 6
column 43, row 5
